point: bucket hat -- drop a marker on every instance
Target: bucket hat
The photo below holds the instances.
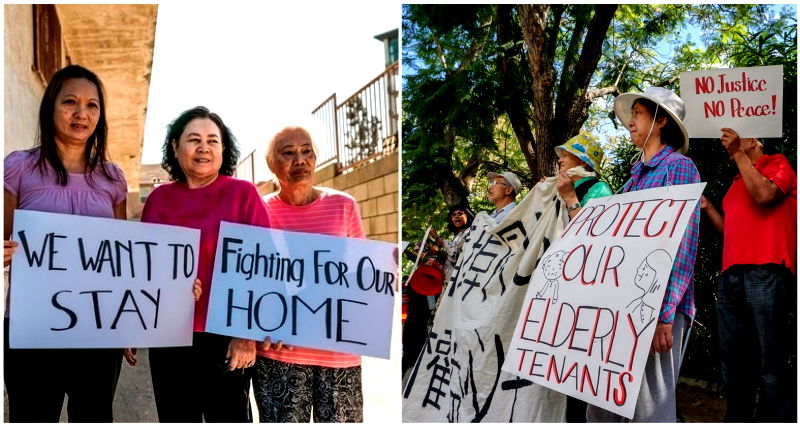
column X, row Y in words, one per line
column 665, row 99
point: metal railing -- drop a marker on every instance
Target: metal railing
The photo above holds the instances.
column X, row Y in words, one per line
column 361, row 129
column 365, row 126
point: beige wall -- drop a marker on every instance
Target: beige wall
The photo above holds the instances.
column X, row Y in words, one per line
column 22, row 87
column 375, row 187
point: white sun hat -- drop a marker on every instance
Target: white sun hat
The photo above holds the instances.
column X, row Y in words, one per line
column 665, row 99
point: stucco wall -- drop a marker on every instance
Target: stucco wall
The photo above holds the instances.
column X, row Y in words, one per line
column 22, row 87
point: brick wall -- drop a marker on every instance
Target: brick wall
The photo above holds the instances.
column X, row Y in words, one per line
column 375, row 187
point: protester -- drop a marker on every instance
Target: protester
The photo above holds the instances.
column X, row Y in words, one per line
column 578, row 181
column 290, row 383
column 208, row 380
column 68, row 173
column 424, row 284
column 756, row 290
column 459, row 220
column 654, row 122
column 421, row 308
column 503, row 190
column 579, row 163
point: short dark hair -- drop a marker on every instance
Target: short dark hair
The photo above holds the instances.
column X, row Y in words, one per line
column 671, row 133
column 230, row 152
column 95, row 152
column 463, row 207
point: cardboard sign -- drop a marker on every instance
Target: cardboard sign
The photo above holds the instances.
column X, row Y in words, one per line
column 305, row 289
column 458, row 376
column 88, row 282
column 589, row 315
column 748, row 100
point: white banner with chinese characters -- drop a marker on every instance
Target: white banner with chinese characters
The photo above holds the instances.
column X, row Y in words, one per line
column 458, row 376
column 588, row 317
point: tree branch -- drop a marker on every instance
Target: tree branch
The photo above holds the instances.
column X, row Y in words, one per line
column 594, row 94
column 439, row 51
column 668, row 81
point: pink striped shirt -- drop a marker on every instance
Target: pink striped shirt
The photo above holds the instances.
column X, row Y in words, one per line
column 334, row 213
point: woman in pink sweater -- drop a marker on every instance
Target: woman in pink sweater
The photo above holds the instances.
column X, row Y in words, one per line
column 209, row 380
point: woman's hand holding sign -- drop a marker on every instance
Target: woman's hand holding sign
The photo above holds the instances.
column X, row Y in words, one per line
column 268, row 345
column 241, row 353
column 662, row 338
column 8, row 250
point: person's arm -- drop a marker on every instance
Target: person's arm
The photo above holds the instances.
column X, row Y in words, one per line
column 762, row 189
column 10, row 203
column 681, row 275
column 717, row 219
column 121, row 211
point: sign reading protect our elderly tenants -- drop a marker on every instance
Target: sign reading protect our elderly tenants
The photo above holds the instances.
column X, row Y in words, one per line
column 748, row 100
column 87, row 282
column 304, row 289
column 587, row 323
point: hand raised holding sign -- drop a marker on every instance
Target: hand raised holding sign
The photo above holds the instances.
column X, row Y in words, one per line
column 731, row 142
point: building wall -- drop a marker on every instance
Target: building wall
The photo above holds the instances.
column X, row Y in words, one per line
column 22, row 86
column 375, row 187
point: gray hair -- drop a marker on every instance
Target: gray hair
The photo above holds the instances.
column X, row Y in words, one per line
column 288, row 133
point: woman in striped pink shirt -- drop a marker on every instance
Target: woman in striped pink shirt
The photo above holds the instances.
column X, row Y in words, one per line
column 290, row 382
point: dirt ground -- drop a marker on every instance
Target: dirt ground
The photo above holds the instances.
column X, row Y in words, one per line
column 696, row 404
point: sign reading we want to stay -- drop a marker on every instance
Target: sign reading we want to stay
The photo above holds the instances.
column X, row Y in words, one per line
column 88, row 282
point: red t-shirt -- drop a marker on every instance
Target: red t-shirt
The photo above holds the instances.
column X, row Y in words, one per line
column 762, row 234
column 229, row 199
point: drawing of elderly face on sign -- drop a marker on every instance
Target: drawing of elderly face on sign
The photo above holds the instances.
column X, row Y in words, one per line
column 652, row 273
column 552, row 266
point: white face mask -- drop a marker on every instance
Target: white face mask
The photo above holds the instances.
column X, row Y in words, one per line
column 580, row 171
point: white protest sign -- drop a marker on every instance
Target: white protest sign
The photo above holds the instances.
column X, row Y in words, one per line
column 589, row 315
column 305, row 289
column 748, row 100
column 88, row 282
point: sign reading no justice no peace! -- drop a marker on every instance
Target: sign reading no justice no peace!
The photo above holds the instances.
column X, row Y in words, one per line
column 748, row 100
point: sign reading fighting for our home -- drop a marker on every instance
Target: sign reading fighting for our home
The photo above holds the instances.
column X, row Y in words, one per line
column 587, row 323
column 748, row 100
column 88, row 282
column 304, row 289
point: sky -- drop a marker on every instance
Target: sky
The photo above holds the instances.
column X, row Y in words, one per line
column 260, row 66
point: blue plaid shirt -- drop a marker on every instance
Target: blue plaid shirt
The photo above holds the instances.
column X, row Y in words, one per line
column 668, row 167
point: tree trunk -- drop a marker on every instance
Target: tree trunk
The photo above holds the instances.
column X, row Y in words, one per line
column 533, row 21
column 510, row 97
